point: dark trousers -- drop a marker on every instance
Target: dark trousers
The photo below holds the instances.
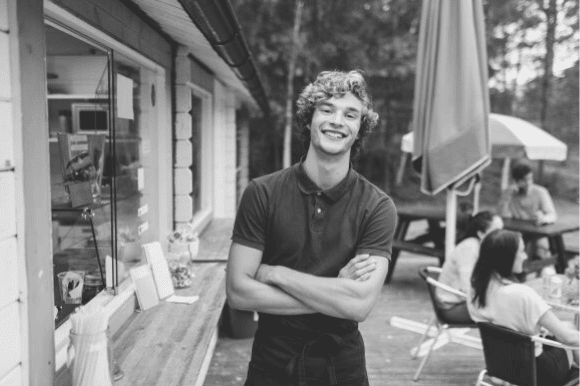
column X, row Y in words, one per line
column 257, row 377
column 457, row 314
column 553, row 367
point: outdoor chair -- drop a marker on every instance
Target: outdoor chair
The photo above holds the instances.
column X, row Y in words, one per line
column 431, row 276
column 509, row 355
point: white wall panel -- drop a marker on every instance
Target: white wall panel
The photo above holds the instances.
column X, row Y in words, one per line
column 7, row 205
column 5, row 90
column 9, row 338
column 182, row 126
column 13, row 378
column 183, row 153
column 3, row 15
column 183, row 208
column 8, row 272
column 6, row 134
column 182, row 181
column 182, row 98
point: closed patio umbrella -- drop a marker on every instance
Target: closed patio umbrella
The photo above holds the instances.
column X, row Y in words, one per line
column 451, row 105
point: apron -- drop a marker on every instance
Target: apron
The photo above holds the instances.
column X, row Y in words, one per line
column 307, row 350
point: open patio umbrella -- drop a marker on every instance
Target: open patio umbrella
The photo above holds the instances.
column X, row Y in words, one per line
column 451, row 105
column 513, row 137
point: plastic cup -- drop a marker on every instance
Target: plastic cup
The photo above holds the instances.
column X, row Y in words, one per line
column 71, row 285
column 556, row 287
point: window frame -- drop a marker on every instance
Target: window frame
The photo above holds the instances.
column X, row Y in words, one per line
column 203, row 217
column 67, row 22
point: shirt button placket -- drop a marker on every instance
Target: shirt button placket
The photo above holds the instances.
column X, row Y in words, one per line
column 317, row 206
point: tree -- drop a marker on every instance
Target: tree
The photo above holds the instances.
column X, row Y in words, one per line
column 380, row 37
column 290, row 84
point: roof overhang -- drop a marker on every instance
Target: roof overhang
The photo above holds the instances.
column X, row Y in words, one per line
column 210, row 32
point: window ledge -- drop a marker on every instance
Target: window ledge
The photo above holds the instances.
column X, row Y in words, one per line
column 152, row 330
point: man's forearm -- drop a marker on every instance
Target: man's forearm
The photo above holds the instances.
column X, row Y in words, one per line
column 244, row 292
column 339, row 297
column 256, row 296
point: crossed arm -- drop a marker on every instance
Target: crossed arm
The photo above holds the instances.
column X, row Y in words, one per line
column 280, row 290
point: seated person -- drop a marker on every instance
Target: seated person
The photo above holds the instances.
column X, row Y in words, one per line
column 458, row 266
column 527, row 201
column 496, row 298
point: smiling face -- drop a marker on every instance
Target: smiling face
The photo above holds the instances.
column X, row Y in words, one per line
column 335, row 124
column 521, row 256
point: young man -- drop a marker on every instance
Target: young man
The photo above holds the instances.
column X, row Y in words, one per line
column 311, row 244
column 527, row 201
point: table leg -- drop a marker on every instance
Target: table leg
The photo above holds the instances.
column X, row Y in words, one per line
column 557, row 243
column 400, row 233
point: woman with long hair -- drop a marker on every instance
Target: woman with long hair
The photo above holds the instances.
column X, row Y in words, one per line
column 496, row 297
column 457, row 268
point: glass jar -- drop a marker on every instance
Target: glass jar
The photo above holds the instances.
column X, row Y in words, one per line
column 179, row 262
column 92, row 286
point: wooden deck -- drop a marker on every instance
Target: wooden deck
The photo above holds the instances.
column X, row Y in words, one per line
column 387, row 348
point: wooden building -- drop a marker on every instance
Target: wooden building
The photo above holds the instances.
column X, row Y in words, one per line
column 168, row 87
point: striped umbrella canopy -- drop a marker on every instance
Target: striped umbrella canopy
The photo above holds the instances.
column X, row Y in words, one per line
column 513, row 137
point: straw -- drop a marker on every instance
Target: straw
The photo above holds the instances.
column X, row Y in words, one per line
column 91, row 364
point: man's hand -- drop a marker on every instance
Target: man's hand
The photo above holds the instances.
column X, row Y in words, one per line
column 264, row 273
column 359, row 268
column 541, row 219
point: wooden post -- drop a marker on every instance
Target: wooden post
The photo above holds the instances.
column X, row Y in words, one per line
column 30, row 125
column 450, row 220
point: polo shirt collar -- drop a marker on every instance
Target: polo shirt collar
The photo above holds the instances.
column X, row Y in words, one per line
column 307, row 186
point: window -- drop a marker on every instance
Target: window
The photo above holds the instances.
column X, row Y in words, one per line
column 194, row 164
column 104, row 162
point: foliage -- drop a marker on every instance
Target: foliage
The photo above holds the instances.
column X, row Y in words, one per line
column 380, row 37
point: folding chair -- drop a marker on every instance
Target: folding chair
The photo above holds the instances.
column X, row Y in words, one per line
column 431, row 276
column 510, row 355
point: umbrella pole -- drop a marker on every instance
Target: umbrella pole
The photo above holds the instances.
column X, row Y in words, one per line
column 505, row 173
column 476, row 195
column 401, row 171
column 450, row 220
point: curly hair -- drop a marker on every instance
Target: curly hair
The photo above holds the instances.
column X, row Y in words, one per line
column 330, row 84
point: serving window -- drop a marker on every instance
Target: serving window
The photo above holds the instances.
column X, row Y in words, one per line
column 103, row 165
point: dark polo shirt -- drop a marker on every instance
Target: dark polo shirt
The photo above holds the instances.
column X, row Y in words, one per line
column 298, row 225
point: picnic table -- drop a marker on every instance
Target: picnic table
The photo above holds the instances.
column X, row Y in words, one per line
column 554, row 232
column 435, row 237
column 435, row 234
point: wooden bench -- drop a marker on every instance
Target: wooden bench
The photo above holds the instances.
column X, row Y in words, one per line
column 172, row 344
column 419, row 249
column 413, row 247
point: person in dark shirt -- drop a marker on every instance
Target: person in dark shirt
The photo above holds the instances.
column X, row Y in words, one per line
column 311, row 245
